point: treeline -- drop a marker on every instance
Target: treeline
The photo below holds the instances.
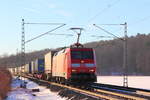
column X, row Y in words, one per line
column 15, row 60
column 109, row 55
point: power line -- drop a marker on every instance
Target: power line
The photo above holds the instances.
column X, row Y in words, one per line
column 45, row 23
column 139, row 21
column 44, row 33
column 106, row 31
column 103, row 10
column 101, row 36
column 62, row 34
column 110, row 24
column 98, row 43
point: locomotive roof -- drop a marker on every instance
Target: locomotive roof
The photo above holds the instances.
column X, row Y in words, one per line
column 64, row 49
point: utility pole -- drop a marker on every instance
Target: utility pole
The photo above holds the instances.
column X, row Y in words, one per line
column 17, row 63
column 23, row 54
column 23, row 42
column 125, row 67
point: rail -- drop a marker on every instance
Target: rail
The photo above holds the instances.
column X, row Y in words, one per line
column 99, row 92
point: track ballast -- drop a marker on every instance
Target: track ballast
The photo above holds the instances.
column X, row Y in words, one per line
column 95, row 91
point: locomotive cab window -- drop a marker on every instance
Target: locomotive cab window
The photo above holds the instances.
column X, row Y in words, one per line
column 82, row 54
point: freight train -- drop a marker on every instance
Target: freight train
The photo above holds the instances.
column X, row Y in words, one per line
column 73, row 64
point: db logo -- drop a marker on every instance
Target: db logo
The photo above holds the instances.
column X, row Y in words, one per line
column 82, row 61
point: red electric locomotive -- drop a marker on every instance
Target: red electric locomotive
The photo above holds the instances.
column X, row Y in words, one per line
column 74, row 64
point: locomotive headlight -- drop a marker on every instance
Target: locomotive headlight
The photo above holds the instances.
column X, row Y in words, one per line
column 89, row 65
column 74, row 70
column 91, row 70
column 75, row 65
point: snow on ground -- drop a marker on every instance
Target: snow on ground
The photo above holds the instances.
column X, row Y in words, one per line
column 133, row 81
column 18, row 93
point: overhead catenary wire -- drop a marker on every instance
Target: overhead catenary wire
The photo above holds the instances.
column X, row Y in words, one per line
column 113, row 36
column 139, row 21
column 110, row 24
column 106, row 31
column 62, row 34
column 98, row 43
column 115, row 31
column 45, row 23
column 101, row 36
column 44, row 33
column 103, row 10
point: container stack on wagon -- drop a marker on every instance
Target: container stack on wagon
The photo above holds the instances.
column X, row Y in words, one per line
column 48, row 64
column 32, row 67
column 12, row 70
column 28, row 68
column 39, row 65
column 36, row 67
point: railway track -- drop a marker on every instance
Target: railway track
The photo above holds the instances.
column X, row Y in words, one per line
column 102, row 91
column 124, row 92
column 122, row 89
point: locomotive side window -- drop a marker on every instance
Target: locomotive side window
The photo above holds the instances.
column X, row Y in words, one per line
column 82, row 54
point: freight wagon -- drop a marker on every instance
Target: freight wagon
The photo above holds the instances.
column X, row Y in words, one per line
column 48, row 65
column 33, row 67
column 38, row 67
column 28, row 69
column 12, row 70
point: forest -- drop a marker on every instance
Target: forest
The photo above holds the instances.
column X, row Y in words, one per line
column 109, row 56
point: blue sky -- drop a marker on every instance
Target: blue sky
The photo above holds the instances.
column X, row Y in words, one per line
column 74, row 13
